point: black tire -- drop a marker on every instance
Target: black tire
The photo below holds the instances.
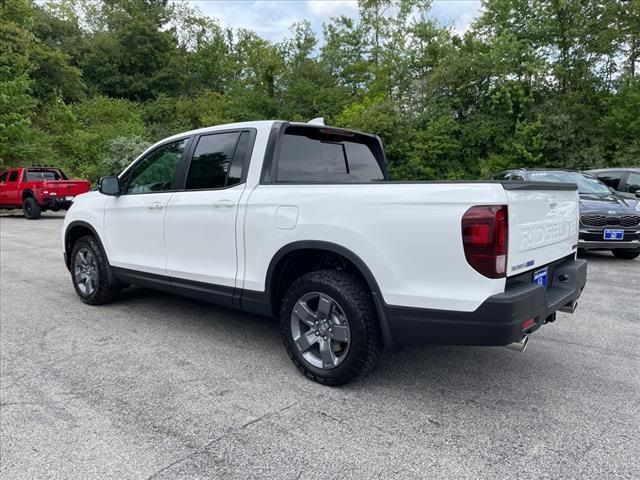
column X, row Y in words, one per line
column 353, row 299
column 30, row 208
column 107, row 287
column 626, row 254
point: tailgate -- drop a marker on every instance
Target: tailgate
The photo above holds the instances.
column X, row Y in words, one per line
column 543, row 223
column 67, row 187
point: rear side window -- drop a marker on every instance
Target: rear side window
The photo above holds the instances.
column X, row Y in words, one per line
column 612, row 179
column 3, row 177
column 311, row 155
column 215, row 163
column 13, row 176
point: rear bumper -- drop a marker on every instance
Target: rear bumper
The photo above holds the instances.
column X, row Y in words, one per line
column 498, row 321
column 56, row 203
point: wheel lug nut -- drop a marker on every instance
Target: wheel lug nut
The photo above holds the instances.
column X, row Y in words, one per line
column 317, row 333
column 324, row 338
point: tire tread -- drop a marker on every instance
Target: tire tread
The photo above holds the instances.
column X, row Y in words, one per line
column 356, row 291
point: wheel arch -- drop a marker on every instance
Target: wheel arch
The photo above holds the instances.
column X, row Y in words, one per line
column 74, row 231
column 27, row 193
column 280, row 261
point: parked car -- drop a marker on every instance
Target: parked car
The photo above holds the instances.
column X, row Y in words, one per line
column 625, row 180
column 301, row 222
column 608, row 220
column 38, row 189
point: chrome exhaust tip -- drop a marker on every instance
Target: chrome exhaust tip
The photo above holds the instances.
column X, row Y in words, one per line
column 520, row 345
column 569, row 308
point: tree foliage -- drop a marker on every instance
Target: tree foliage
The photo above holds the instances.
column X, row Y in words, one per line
column 87, row 84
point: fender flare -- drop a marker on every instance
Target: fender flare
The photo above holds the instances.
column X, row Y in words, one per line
column 370, row 279
column 79, row 223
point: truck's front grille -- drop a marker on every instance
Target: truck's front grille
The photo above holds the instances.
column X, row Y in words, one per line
column 610, row 221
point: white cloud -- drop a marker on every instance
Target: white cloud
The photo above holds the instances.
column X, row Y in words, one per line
column 457, row 14
column 332, row 8
column 273, row 19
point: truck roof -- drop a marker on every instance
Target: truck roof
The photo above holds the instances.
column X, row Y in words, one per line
column 257, row 124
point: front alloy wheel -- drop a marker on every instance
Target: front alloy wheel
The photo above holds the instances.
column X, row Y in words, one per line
column 91, row 274
column 85, row 270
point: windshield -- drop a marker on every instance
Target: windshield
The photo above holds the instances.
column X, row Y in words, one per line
column 586, row 184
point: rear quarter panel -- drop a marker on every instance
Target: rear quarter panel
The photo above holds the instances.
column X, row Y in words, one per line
column 408, row 234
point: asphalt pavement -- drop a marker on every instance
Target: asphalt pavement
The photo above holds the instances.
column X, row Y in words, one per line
column 156, row 386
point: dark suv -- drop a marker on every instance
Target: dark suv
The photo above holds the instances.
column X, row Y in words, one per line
column 625, row 180
column 608, row 220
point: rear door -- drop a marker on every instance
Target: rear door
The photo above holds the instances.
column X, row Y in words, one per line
column 201, row 218
column 134, row 221
column 543, row 224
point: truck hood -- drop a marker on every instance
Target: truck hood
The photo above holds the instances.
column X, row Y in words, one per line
column 607, row 203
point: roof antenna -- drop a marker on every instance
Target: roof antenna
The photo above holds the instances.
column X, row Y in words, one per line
column 316, row 121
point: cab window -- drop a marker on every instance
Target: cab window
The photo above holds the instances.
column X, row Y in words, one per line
column 214, row 164
column 3, row 177
column 325, row 155
column 611, row 179
column 633, row 182
column 156, row 171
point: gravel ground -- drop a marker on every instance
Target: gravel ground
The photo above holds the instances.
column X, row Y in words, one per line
column 159, row 386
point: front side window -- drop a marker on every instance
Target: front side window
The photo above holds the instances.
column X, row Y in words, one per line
column 3, row 177
column 155, row 172
column 213, row 164
column 311, row 155
column 633, row 182
column 611, row 179
column 13, row 176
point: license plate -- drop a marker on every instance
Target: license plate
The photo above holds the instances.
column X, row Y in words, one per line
column 540, row 277
column 613, row 234
column 69, row 197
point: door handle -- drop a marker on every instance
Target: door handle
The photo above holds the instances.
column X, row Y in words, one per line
column 223, row 204
column 156, row 206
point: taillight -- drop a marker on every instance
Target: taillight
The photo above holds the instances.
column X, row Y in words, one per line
column 484, row 236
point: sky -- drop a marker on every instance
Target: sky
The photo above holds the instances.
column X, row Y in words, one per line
column 271, row 19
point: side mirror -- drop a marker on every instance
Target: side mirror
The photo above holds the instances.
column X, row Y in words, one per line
column 109, row 186
column 638, row 193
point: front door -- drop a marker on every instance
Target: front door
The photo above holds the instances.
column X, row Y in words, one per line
column 3, row 188
column 201, row 219
column 134, row 221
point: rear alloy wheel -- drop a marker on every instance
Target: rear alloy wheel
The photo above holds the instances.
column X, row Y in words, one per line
column 329, row 327
column 30, row 208
column 90, row 272
column 626, row 254
column 320, row 330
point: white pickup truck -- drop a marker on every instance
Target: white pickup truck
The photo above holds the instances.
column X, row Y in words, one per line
column 301, row 222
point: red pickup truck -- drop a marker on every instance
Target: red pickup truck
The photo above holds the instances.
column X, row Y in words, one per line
column 37, row 189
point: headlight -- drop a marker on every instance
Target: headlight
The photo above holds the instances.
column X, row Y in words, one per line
column 638, row 206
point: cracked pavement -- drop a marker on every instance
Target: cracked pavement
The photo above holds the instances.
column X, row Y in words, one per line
column 156, row 386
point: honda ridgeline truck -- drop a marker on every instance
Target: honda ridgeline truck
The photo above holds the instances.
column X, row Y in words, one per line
column 301, row 222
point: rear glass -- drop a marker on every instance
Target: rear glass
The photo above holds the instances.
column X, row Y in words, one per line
column 309, row 155
column 34, row 176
